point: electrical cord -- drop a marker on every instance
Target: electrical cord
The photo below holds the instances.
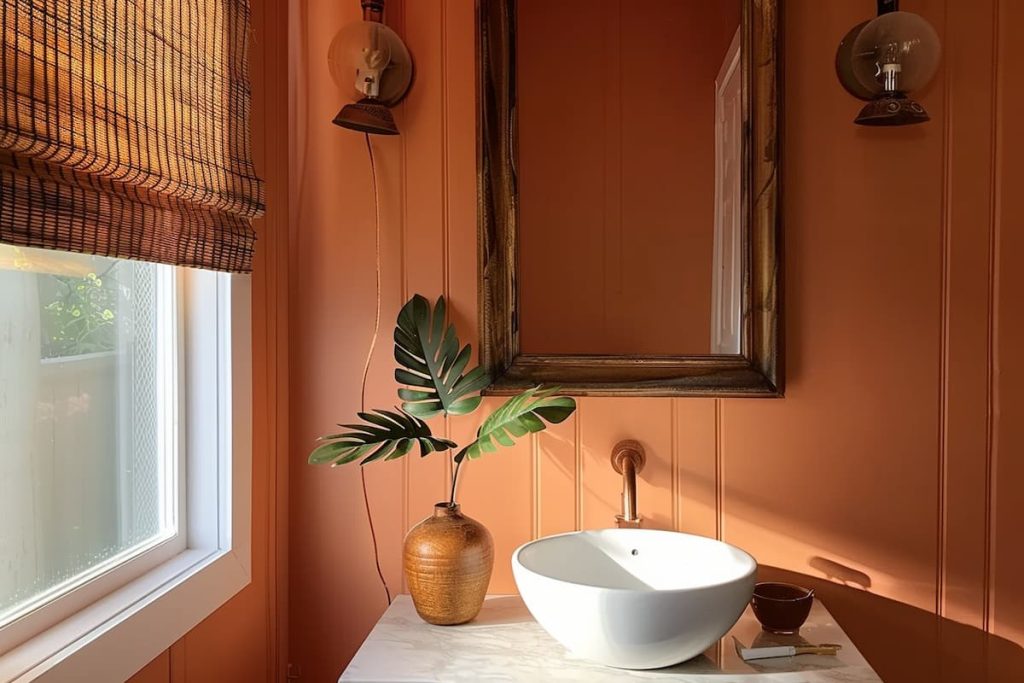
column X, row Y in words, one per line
column 369, row 357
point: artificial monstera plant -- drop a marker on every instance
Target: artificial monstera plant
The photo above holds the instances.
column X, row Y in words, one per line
column 432, row 366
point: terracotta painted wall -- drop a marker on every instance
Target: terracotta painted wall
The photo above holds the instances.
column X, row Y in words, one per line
column 888, row 477
column 245, row 641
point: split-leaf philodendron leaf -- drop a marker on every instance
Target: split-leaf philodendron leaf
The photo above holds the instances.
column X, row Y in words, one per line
column 384, row 434
column 432, row 363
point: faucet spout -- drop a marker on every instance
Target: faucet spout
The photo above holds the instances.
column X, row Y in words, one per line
column 628, row 459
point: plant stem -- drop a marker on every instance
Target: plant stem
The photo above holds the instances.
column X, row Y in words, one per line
column 455, row 480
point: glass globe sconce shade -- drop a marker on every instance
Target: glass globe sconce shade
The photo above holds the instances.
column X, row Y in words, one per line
column 885, row 59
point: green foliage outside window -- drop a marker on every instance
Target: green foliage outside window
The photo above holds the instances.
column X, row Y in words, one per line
column 78, row 314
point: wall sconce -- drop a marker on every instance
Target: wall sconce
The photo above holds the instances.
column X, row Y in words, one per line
column 886, row 58
column 372, row 57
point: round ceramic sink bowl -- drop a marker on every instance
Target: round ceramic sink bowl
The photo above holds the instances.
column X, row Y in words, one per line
column 634, row 598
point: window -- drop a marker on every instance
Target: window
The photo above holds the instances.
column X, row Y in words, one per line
column 124, row 443
column 88, row 381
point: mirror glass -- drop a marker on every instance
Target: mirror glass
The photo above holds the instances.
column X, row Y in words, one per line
column 629, row 162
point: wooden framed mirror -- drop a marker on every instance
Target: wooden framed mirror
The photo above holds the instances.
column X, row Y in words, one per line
column 628, row 158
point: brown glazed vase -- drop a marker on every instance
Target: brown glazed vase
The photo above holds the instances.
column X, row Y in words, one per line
column 448, row 560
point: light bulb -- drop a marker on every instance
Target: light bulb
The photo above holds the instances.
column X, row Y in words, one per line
column 897, row 52
column 358, row 56
column 371, row 58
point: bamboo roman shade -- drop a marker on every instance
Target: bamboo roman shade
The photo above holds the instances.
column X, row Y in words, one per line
column 124, row 130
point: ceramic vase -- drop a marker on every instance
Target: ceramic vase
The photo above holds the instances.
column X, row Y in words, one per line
column 448, row 558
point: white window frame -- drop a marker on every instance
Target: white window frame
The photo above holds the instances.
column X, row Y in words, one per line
column 117, row 627
column 65, row 599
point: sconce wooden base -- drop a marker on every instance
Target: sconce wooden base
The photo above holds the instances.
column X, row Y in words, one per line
column 448, row 560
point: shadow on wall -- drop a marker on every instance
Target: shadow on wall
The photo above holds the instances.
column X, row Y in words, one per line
column 840, row 573
column 904, row 643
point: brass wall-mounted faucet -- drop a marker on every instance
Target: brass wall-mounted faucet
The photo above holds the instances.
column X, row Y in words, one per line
column 628, row 458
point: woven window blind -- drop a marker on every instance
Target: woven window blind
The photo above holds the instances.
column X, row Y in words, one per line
column 124, row 130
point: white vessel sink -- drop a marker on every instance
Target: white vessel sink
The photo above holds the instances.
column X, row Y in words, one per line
column 634, row 598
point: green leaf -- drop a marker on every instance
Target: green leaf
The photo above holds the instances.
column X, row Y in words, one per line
column 431, row 359
column 384, row 434
column 426, row 409
column 464, row 406
column 517, row 417
column 414, row 395
column 406, row 377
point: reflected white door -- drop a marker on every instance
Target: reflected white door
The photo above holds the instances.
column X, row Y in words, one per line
column 727, row 267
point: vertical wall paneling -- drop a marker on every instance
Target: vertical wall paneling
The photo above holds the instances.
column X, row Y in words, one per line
column 383, row 482
column 425, row 234
column 719, row 466
column 177, row 662
column 556, row 487
column 612, row 189
column 1006, row 505
column 578, row 465
column 695, row 444
column 274, row 102
column 397, row 19
column 675, row 468
column 968, row 182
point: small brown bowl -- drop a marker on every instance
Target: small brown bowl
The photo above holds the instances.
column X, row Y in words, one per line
column 781, row 607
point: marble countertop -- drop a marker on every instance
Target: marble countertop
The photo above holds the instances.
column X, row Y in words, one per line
column 504, row 643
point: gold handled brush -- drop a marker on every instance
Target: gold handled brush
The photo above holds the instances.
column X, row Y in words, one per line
column 749, row 653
